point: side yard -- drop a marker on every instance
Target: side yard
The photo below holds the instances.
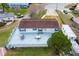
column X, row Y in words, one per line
column 5, row 33
column 66, row 18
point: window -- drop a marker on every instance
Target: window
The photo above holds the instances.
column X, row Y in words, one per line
column 56, row 29
column 22, row 29
column 40, row 29
column 34, row 28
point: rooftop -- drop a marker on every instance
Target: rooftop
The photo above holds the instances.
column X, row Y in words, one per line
column 68, row 31
column 43, row 23
column 76, row 20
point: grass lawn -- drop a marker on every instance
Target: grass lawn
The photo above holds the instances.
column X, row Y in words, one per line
column 66, row 18
column 70, row 5
column 4, row 37
column 38, row 15
column 29, row 52
column 75, row 14
column 21, row 11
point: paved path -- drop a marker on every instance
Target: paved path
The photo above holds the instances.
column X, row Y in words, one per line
column 2, row 51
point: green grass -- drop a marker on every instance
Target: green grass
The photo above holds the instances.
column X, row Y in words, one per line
column 75, row 14
column 39, row 15
column 21, row 11
column 66, row 18
column 4, row 37
column 70, row 5
column 28, row 52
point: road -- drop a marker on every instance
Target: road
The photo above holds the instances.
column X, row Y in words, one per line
column 51, row 7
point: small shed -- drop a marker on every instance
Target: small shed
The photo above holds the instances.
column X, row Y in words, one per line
column 68, row 32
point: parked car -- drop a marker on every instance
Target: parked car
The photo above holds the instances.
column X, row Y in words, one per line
column 21, row 16
column 65, row 11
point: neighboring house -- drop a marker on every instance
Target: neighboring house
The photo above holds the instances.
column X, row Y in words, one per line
column 21, row 5
column 7, row 17
column 68, row 32
column 35, row 8
column 32, row 33
column 76, row 8
column 71, row 35
column 75, row 22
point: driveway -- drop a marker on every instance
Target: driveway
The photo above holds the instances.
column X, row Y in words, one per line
column 27, row 16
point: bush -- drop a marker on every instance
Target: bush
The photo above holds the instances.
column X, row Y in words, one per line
column 2, row 24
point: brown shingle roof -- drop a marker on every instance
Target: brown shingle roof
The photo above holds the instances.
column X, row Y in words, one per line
column 39, row 23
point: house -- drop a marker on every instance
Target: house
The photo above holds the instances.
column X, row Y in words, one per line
column 21, row 5
column 71, row 35
column 32, row 33
column 7, row 17
column 75, row 48
column 35, row 8
column 68, row 32
column 1, row 10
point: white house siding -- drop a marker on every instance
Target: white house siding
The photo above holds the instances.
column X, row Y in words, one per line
column 45, row 30
column 68, row 32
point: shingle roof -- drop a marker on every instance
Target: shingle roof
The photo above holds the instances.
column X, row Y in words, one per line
column 43, row 23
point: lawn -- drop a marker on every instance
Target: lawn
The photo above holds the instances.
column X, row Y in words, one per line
column 39, row 15
column 21, row 11
column 4, row 37
column 70, row 5
column 29, row 52
column 75, row 13
column 66, row 18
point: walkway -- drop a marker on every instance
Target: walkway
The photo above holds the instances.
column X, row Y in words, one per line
column 2, row 51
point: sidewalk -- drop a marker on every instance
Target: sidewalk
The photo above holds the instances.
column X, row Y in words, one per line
column 2, row 51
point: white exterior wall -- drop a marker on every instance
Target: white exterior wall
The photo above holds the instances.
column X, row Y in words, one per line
column 68, row 32
column 30, row 30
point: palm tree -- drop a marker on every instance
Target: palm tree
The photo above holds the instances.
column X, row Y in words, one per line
column 4, row 6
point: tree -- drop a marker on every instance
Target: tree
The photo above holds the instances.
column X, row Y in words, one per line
column 4, row 6
column 59, row 43
column 35, row 8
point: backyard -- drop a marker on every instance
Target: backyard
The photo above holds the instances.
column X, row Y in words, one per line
column 29, row 52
